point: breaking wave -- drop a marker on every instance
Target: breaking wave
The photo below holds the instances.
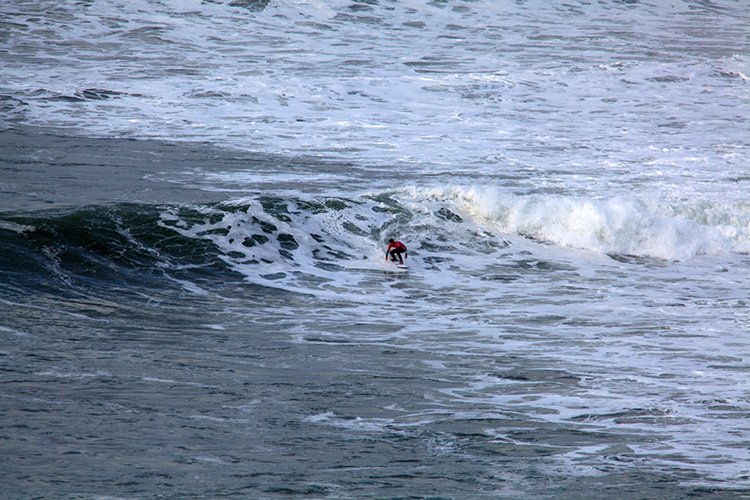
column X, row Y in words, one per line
column 320, row 244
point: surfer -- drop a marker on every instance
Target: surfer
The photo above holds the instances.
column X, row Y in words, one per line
column 395, row 249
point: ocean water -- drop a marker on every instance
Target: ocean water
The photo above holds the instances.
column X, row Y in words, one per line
column 194, row 202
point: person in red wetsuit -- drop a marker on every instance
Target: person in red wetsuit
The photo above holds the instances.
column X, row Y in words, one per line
column 395, row 249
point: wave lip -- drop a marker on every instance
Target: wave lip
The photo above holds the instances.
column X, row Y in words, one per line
column 638, row 226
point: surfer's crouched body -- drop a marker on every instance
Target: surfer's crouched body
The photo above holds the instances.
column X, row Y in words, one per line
column 395, row 249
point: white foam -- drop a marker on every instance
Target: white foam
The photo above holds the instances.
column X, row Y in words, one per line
column 305, row 252
column 635, row 225
column 13, row 331
column 178, row 382
column 74, row 374
column 18, row 228
column 355, row 424
column 490, row 98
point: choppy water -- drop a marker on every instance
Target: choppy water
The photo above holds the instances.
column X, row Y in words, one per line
column 194, row 200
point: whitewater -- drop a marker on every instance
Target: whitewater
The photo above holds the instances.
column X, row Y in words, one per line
column 195, row 198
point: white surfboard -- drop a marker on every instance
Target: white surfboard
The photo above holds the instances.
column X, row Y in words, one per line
column 388, row 266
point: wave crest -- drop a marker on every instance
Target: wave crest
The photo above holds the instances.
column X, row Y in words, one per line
column 640, row 226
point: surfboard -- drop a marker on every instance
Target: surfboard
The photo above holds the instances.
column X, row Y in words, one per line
column 374, row 265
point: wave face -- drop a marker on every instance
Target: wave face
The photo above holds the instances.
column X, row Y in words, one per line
column 108, row 245
column 283, row 240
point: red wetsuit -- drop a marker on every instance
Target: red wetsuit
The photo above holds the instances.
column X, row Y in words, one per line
column 396, row 249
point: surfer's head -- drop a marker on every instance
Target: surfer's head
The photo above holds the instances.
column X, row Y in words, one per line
column 391, row 241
